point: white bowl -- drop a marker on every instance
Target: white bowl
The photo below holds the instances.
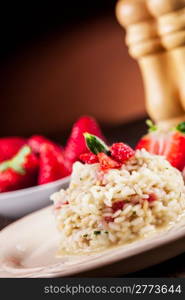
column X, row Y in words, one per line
column 19, row 203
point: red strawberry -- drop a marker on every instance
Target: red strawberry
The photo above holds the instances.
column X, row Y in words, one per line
column 76, row 144
column 152, row 197
column 11, row 181
column 58, row 205
column 9, row 146
column 107, row 163
column 170, row 144
column 89, row 158
column 118, row 205
column 52, row 165
column 19, row 172
column 109, row 219
column 175, row 150
column 153, row 142
column 121, row 152
column 36, row 141
column 109, row 158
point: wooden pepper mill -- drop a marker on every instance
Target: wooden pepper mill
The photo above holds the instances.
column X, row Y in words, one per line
column 156, row 38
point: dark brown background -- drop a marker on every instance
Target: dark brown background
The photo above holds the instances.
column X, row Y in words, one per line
column 59, row 61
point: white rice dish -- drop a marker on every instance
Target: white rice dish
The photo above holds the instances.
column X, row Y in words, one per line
column 149, row 195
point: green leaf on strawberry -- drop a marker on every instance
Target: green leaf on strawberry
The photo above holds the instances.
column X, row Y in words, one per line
column 17, row 162
column 181, row 127
column 95, row 144
column 151, row 126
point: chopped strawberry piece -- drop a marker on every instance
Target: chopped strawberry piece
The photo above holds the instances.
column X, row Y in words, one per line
column 107, row 163
column 109, row 219
column 89, row 158
column 152, row 197
column 121, row 152
column 118, row 205
column 60, row 204
column 76, row 144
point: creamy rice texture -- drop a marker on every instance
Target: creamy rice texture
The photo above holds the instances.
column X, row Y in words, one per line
column 105, row 209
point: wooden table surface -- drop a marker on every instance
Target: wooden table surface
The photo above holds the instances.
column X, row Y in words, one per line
column 174, row 267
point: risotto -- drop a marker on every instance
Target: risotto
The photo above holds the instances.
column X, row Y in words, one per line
column 101, row 209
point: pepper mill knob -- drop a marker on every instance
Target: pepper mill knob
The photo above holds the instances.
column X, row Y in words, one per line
column 142, row 37
column 145, row 39
column 170, row 15
column 161, row 7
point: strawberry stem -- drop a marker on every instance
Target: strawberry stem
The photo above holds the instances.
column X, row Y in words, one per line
column 151, row 126
column 181, row 127
column 95, row 144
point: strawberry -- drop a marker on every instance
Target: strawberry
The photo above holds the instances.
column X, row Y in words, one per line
column 89, row 158
column 9, row 146
column 52, row 165
column 109, row 219
column 152, row 197
column 58, row 205
column 175, row 150
column 20, row 171
column 109, row 158
column 169, row 144
column 121, row 152
column 106, row 162
column 153, row 142
column 76, row 144
column 36, row 141
column 118, row 205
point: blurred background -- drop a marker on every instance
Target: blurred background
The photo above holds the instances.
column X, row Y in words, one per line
column 59, row 60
